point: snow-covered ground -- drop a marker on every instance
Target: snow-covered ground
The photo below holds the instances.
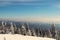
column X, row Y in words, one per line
column 21, row 37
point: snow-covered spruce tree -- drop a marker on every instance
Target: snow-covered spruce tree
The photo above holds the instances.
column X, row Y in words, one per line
column 57, row 36
column 39, row 32
column 18, row 30
column 33, row 32
column 49, row 33
column 3, row 24
column 7, row 31
column 45, row 34
column 15, row 29
column 23, row 30
column 53, row 30
column 3, row 27
column 12, row 28
column 28, row 31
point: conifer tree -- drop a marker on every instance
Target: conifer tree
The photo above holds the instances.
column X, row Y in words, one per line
column 23, row 30
column 12, row 28
column 15, row 29
column 28, row 31
column 53, row 30
column 33, row 32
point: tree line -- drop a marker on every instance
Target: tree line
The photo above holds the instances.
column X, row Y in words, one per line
column 25, row 30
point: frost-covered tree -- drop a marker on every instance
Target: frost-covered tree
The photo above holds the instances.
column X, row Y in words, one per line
column 39, row 32
column 57, row 35
column 53, row 30
column 15, row 29
column 3, row 23
column 28, row 31
column 18, row 30
column 12, row 28
column 49, row 33
column 33, row 32
column 23, row 30
column 7, row 31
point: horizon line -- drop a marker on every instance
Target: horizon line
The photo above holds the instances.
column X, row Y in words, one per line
column 33, row 19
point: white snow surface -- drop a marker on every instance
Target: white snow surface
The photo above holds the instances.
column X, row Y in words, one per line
column 21, row 37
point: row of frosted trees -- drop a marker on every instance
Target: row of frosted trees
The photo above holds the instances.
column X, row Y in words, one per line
column 25, row 30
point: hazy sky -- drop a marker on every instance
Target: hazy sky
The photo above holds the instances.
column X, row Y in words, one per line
column 30, row 8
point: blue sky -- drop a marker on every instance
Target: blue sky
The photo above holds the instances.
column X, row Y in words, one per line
column 29, row 8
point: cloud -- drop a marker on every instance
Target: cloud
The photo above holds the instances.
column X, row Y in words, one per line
column 25, row 2
column 5, row 3
column 20, row 0
column 16, row 2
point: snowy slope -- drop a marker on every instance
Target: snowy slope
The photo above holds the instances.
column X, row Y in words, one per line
column 21, row 37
